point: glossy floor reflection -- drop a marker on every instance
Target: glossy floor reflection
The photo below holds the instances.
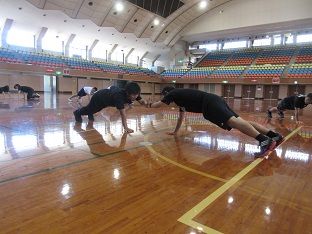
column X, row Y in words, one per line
column 57, row 176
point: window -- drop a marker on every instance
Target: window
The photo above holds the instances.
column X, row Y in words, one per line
column 233, row 45
column 304, row 38
column 52, row 42
column 21, row 38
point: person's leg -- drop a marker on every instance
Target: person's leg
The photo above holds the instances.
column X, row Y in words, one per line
column 266, row 144
column 89, row 110
column 71, row 97
column 244, row 127
column 29, row 96
column 273, row 109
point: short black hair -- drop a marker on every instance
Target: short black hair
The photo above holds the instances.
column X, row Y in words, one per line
column 132, row 88
column 16, row 86
column 309, row 95
column 166, row 89
column 95, row 88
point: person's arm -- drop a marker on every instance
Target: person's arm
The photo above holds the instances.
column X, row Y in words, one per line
column 156, row 104
column 124, row 120
column 18, row 94
column 179, row 123
column 89, row 96
column 297, row 116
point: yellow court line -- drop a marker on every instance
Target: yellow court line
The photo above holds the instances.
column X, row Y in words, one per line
column 188, row 216
column 178, row 164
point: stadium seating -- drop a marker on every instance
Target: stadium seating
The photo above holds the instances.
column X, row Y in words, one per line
column 265, row 71
column 300, row 71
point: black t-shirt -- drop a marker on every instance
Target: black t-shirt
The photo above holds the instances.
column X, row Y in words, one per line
column 190, row 100
column 293, row 102
column 26, row 89
column 116, row 98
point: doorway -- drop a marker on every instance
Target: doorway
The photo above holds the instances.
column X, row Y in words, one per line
column 49, row 84
column 249, row 92
column 296, row 90
column 228, row 91
column 271, row 92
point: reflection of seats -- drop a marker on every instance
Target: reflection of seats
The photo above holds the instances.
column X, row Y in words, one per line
column 265, row 71
column 300, row 71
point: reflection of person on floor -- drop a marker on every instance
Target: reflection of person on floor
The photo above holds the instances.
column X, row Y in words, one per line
column 216, row 110
column 266, row 167
column 27, row 105
column 25, row 89
column 5, row 104
column 94, row 138
column 5, row 90
column 291, row 103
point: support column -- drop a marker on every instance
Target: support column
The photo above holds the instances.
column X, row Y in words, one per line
column 91, row 49
column 127, row 56
column 109, row 56
column 39, row 37
column 67, row 45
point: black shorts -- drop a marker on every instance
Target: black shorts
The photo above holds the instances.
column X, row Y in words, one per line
column 217, row 111
column 281, row 105
column 82, row 93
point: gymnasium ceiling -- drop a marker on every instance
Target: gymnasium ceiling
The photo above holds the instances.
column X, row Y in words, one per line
column 132, row 28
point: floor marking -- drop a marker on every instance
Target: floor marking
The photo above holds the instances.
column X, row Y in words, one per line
column 150, row 148
column 188, row 216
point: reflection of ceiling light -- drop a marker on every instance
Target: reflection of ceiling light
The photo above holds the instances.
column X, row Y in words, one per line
column 156, row 21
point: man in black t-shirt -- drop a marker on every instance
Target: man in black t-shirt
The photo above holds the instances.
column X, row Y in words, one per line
column 216, row 110
column 115, row 98
column 291, row 103
column 28, row 90
column 5, row 89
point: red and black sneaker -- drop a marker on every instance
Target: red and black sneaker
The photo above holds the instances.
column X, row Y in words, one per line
column 265, row 147
column 279, row 139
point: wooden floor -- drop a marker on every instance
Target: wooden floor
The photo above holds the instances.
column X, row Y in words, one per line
column 60, row 177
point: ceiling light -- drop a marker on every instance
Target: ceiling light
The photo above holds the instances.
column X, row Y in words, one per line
column 119, row 6
column 156, row 21
column 202, row 4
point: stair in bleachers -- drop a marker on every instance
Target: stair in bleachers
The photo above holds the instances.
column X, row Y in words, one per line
column 292, row 61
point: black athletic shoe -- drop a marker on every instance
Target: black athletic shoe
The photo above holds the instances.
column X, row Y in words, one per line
column 265, row 147
column 91, row 117
column 281, row 114
column 77, row 116
column 269, row 114
column 279, row 139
